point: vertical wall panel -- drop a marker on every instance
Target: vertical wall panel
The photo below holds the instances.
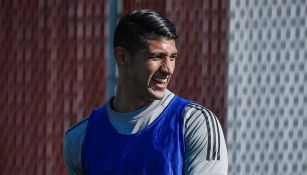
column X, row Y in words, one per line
column 52, row 74
column 267, row 118
column 201, row 68
column 23, row 88
column 158, row 5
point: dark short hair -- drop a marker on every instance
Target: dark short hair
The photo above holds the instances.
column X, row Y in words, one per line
column 137, row 27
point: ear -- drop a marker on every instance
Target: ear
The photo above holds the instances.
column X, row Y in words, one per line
column 122, row 57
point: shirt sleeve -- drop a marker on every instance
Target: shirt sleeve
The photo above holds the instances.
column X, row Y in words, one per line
column 205, row 147
column 72, row 147
column 70, row 157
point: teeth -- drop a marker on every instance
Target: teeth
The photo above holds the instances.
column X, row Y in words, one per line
column 162, row 80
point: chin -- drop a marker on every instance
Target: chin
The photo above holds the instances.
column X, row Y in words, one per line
column 156, row 94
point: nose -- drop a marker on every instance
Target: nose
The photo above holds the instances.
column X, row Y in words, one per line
column 167, row 66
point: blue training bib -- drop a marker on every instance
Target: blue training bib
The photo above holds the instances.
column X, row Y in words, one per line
column 157, row 149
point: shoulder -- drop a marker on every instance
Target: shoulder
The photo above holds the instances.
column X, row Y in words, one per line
column 195, row 107
column 201, row 122
column 205, row 147
column 77, row 131
column 73, row 141
column 195, row 112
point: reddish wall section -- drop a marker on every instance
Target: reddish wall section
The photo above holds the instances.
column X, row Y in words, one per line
column 159, row 5
column 201, row 68
column 52, row 74
column 202, row 65
column 23, row 78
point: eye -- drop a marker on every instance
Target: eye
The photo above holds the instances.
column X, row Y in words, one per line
column 173, row 57
column 157, row 57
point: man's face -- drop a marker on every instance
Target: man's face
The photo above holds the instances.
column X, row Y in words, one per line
column 151, row 69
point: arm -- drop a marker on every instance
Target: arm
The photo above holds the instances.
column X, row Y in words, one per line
column 72, row 147
column 72, row 163
column 205, row 147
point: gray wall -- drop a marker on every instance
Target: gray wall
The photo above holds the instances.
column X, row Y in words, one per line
column 267, row 95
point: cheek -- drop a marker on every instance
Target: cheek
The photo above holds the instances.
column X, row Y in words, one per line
column 143, row 74
column 152, row 67
column 173, row 65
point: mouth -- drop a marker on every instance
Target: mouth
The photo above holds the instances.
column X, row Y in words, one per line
column 159, row 82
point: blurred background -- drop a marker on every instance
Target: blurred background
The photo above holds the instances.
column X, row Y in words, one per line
column 244, row 60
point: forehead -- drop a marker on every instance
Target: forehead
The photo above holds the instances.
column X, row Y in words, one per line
column 165, row 46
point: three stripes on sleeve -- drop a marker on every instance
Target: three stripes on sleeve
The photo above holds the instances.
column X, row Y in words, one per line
column 202, row 131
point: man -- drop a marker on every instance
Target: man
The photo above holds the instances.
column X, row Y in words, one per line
column 145, row 128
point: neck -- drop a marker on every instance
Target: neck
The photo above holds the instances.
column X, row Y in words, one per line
column 126, row 102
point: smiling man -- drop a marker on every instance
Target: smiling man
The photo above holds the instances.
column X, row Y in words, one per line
column 145, row 128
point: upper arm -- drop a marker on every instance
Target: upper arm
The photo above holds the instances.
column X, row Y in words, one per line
column 205, row 147
column 71, row 155
column 72, row 147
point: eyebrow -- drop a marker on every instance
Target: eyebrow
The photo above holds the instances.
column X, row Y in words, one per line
column 174, row 54
column 161, row 53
